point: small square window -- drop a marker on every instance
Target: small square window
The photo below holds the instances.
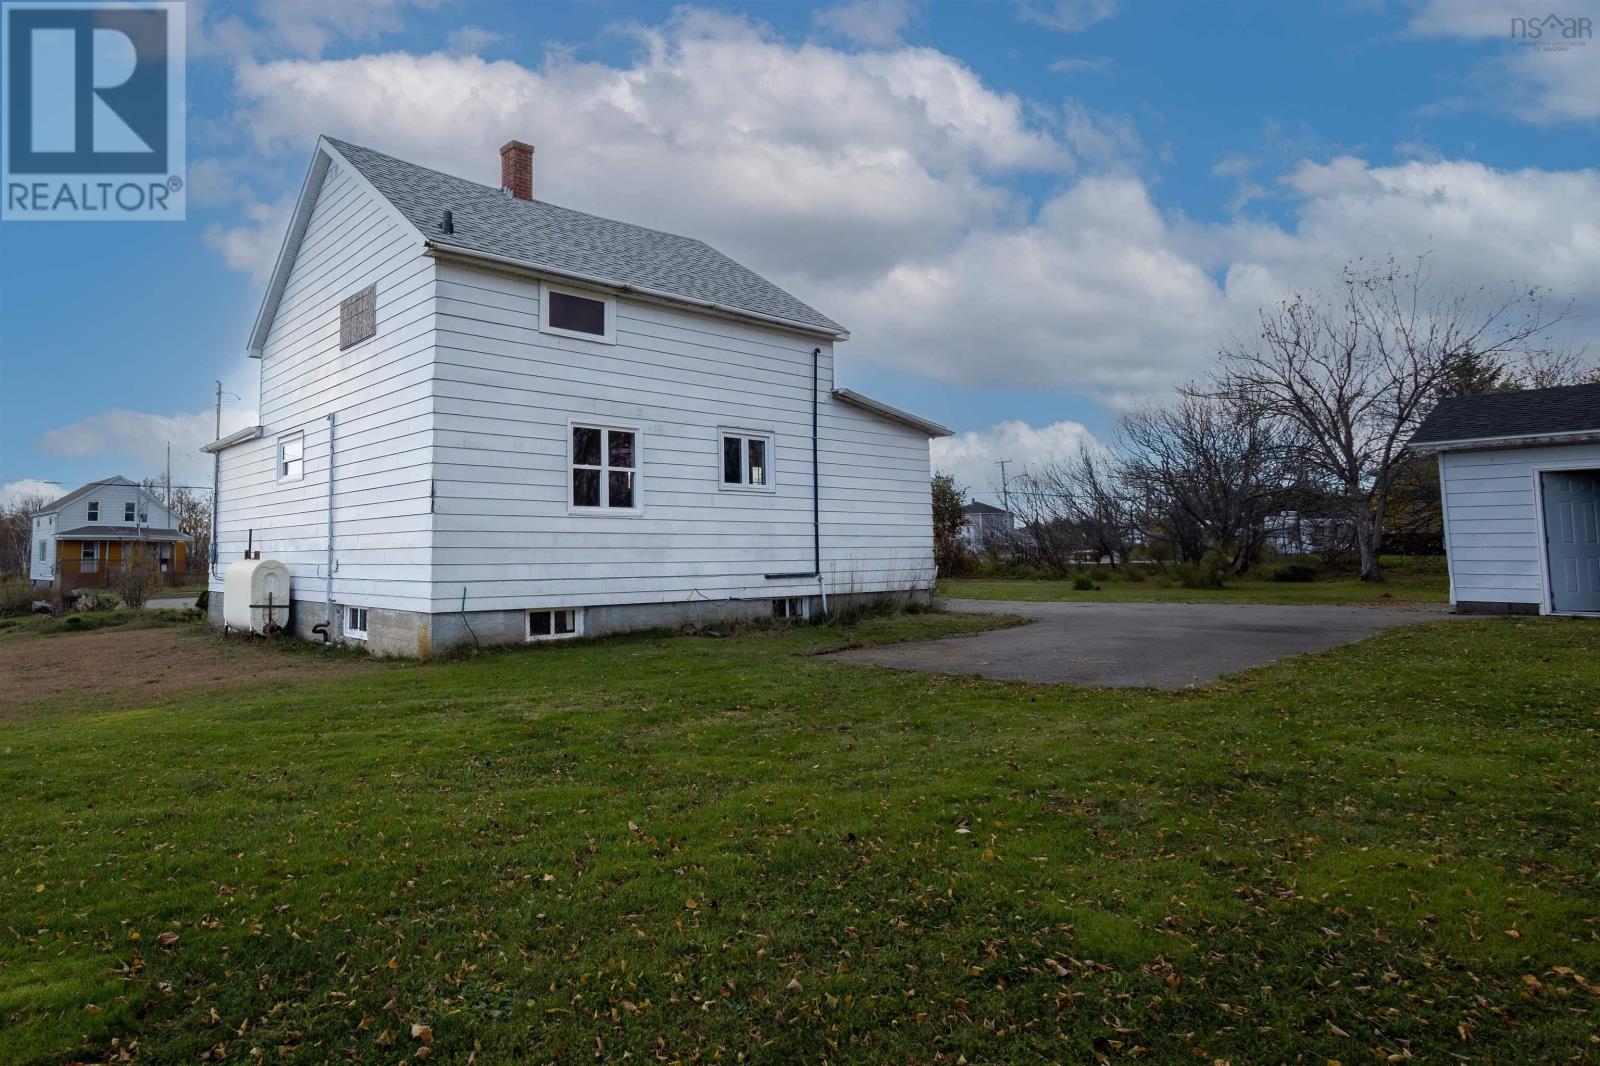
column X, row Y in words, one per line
column 292, row 457
column 746, row 461
column 94, row 511
column 794, row 607
column 358, row 317
column 559, row 624
column 355, row 622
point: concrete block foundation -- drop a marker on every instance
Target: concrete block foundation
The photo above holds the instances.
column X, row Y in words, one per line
column 418, row 635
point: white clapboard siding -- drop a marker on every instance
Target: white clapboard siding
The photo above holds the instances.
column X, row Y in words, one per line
column 1492, row 530
column 505, row 394
column 381, row 392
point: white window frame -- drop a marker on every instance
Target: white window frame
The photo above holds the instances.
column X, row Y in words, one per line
column 44, row 551
column 578, row 624
column 350, row 630
column 792, row 608
column 94, row 510
column 298, row 436
column 745, row 436
column 608, row 337
column 89, row 551
column 130, row 511
column 605, row 428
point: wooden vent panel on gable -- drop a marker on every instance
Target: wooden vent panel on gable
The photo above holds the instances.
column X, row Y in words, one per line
column 358, row 317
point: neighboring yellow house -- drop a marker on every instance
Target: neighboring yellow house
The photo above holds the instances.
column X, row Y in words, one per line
column 84, row 539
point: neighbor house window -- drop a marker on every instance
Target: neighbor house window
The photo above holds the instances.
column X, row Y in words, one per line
column 292, row 457
column 88, row 549
column 164, row 557
column 746, row 460
column 605, row 468
column 94, row 511
column 557, row 624
column 358, row 317
column 355, row 622
column 576, row 314
column 128, row 510
column 44, row 551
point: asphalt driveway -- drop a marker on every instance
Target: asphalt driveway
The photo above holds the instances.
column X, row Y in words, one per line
column 1138, row 645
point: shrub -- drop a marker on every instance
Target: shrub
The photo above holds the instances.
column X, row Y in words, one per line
column 1084, row 583
column 16, row 595
column 139, row 575
column 203, row 601
column 1206, row 574
column 1294, row 572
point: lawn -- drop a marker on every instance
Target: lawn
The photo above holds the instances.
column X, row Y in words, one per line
column 726, row 848
column 1401, row 586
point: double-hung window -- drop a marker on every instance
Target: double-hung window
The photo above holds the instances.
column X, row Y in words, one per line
column 94, row 511
column 291, row 457
column 128, row 510
column 605, row 469
column 746, row 460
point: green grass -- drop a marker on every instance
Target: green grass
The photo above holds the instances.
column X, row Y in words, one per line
column 1400, row 587
column 28, row 625
column 670, row 847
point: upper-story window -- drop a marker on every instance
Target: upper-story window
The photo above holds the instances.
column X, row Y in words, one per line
column 578, row 314
column 291, row 457
column 358, row 317
column 746, row 460
column 94, row 510
column 128, row 511
column 605, row 469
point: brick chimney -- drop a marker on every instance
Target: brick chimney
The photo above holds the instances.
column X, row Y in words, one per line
column 516, row 169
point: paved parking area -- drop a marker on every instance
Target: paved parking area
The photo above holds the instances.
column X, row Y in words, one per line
column 1138, row 645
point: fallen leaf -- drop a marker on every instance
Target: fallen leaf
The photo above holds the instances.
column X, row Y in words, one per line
column 422, row 1032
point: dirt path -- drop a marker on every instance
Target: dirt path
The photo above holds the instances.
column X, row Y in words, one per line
column 117, row 669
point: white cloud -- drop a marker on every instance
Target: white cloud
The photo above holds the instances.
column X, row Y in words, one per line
column 252, row 247
column 28, row 489
column 296, row 27
column 878, row 185
column 972, row 457
column 467, row 40
column 134, row 443
column 1082, row 65
column 872, row 22
column 1070, row 16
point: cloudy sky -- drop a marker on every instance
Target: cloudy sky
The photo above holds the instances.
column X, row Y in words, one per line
column 1030, row 214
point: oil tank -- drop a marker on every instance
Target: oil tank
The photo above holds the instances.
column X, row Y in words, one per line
column 248, row 587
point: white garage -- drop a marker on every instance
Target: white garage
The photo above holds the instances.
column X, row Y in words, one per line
column 1519, row 473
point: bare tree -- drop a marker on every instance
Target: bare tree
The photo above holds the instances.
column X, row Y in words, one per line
column 140, row 573
column 16, row 532
column 1352, row 376
column 1074, row 504
column 1206, row 475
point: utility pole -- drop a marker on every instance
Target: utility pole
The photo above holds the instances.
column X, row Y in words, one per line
column 216, row 471
column 1005, row 487
column 169, row 476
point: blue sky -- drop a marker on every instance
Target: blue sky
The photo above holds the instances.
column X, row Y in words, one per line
column 1030, row 214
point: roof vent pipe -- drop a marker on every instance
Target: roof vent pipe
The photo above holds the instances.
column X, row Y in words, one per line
column 447, row 222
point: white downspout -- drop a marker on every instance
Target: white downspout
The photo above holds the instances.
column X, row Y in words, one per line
column 328, row 581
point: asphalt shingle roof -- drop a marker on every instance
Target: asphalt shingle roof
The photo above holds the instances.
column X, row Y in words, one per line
column 95, row 531
column 564, row 241
column 1534, row 412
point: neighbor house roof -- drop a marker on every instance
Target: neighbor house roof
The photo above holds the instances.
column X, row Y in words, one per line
column 101, row 531
column 489, row 222
column 1493, row 418
column 982, row 508
column 90, row 489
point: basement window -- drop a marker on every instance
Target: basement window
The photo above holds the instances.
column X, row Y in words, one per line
column 795, row 607
column 746, row 460
column 562, row 623
column 576, row 314
column 358, row 317
column 355, row 623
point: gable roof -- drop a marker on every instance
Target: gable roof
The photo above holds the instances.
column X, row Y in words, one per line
column 982, row 508
column 1568, row 410
column 90, row 489
column 490, row 224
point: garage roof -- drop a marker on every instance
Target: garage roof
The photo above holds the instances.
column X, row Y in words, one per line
column 1569, row 410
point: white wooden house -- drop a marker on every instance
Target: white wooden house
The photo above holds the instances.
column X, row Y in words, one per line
column 83, row 539
column 1519, row 474
column 487, row 418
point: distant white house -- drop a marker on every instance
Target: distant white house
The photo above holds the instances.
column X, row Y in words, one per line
column 487, row 418
column 1519, row 473
column 83, row 539
column 986, row 526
